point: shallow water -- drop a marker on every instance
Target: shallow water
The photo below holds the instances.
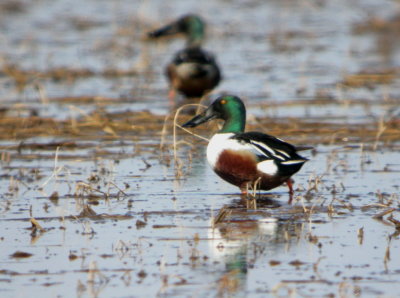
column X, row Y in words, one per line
column 125, row 223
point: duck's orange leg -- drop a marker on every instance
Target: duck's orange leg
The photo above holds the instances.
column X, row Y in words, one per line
column 289, row 183
column 171, row 96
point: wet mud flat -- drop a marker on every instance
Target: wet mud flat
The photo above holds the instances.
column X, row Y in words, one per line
column 97, row 204
column 101, row 195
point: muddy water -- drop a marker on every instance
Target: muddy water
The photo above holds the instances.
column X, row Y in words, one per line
column 91, row 206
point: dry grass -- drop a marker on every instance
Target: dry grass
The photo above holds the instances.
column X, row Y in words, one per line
column 86, row 130
column 23, row 77
column 370, row 78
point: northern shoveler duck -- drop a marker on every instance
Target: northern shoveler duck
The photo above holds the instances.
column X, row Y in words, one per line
column 193, row 71
column 243, row 158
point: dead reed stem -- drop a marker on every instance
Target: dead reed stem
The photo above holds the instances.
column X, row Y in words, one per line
column 175, row 143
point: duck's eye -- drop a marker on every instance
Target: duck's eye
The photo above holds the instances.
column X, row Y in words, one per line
column 223, row 101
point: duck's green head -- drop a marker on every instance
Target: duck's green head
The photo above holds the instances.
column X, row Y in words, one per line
column 229, row 108
column 191, row 25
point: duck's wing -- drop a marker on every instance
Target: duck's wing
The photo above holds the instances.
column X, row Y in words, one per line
column 194, row 55
column 270, row 147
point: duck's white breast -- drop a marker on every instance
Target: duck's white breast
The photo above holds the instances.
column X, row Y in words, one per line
column 220, row 142
column 187, row 69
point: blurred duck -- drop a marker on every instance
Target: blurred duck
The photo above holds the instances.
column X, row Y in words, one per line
column 193, row 71
column 243, row 158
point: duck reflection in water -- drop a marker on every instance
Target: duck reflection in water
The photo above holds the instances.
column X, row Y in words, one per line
column 241, row 238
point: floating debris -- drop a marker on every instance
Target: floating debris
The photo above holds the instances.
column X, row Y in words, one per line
column 21, row 255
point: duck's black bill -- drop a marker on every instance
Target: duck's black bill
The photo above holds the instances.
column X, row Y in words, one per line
column 167, row 30
column 199, row 119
